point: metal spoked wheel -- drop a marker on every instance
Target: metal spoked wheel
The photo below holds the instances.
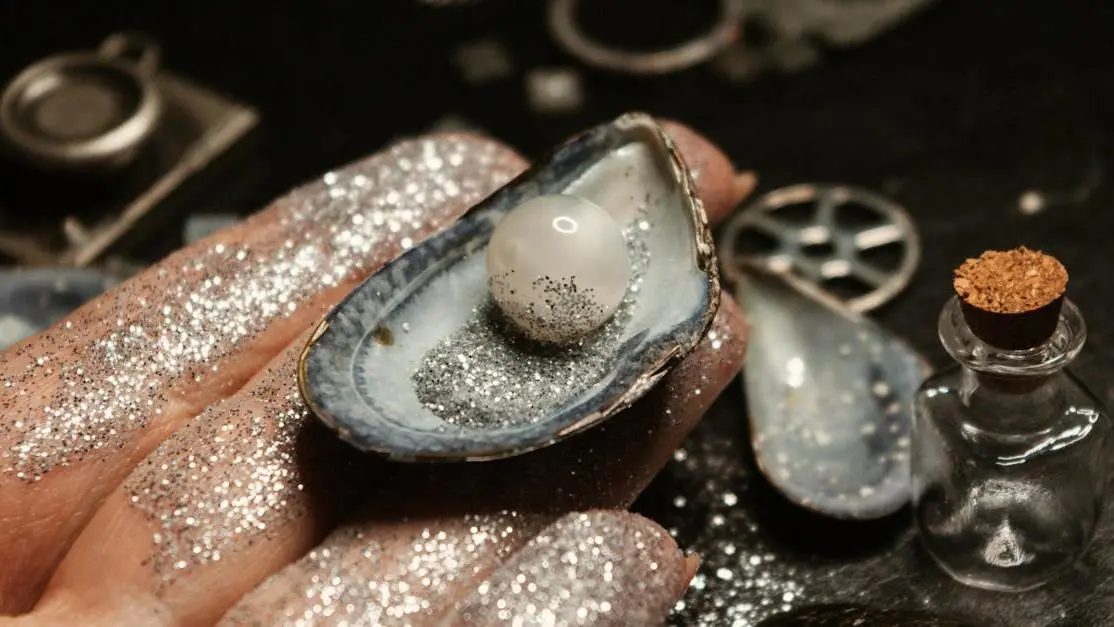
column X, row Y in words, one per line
column 830, row 235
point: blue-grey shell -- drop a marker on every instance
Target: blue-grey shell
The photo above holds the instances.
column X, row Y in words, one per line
column 355, row 373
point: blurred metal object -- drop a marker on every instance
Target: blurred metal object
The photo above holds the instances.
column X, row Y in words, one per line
column 554, row 90
column 33, row 300
column 483, row 61
column 222, row 123
column 791, row 30
column 201, row 225
column 51, row 218
column 824, row 242
column 454, row 123
column 566, row 30
column 838, row 23
column 84, row 110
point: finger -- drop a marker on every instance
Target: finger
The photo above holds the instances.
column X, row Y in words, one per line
column 712, row 170
column 85, row 401
column 430, row 534
column 390, row 572
column 594, row 568
column 243, row 489
column 249, row 486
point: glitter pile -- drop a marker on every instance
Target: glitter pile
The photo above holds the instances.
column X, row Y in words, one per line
column 488, row 376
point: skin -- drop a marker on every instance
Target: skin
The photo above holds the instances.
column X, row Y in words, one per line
column 78, row 542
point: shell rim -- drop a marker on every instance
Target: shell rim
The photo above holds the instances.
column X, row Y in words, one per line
column 706, row 261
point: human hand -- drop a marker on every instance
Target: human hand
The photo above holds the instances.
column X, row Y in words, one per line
column 157, row 463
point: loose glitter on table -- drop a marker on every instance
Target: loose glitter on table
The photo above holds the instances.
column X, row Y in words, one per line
column 741, row 580
column 160, row 339
column 761, row 555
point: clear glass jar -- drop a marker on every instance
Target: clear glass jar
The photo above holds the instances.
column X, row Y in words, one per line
column 1009, row 458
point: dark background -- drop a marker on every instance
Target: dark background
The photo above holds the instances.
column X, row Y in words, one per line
column 954, row 113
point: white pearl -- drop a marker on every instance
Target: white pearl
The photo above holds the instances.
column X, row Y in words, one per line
column 558, row 267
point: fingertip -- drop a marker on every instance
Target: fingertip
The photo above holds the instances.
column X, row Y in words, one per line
column 690, row 568
column 711, row 168
column 744, row 185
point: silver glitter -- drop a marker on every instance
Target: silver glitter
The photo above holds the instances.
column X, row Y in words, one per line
column 596, row 568
column 182, row 334
column 377, row 575
column 564, row 304
column 486, row 375
column 741, row 580
column 228, row 478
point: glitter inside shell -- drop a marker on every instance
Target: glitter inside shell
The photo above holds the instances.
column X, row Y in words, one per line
column 415, row 364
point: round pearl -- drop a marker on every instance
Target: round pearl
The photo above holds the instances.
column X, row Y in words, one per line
column 558, row 267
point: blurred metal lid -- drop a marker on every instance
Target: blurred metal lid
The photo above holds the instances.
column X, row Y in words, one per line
column 84, row 110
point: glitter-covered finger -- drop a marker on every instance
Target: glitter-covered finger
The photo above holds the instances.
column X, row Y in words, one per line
column 593, row 568
column 85, row 401
column 375, row 574
column 216, row 508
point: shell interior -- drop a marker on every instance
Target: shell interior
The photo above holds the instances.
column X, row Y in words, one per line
column 829, row 396
column 416, row 363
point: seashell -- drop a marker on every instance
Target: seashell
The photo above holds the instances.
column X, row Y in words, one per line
column 419, row 363
column 830, row 397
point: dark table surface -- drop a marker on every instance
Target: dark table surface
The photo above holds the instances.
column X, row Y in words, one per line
column 954, row 113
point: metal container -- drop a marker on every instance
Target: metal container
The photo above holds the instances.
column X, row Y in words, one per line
column 84, row 111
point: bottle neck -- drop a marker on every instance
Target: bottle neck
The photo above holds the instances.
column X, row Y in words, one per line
column 1014, row 390
column 1012, row 370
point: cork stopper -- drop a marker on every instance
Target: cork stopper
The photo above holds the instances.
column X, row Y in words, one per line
column 1011, row 299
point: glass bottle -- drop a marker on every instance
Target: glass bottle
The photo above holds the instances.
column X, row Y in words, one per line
column 1008, row 457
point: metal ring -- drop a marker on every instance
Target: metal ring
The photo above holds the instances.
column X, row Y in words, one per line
column 893, row 226
column 113, row 147
column 567, row 32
